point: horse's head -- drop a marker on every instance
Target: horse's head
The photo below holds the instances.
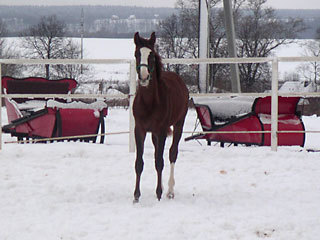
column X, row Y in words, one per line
column 145, row 58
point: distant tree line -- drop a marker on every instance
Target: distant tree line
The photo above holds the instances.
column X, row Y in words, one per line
column 71, row 14
column 31, row 15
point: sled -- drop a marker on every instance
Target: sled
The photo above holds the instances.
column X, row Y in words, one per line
column 258, row 119
column 40, row 118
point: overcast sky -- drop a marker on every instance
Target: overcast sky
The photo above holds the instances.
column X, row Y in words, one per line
column 292, row 4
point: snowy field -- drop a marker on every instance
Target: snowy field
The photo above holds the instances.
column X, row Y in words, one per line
column 110, row 48
column 105, row 48
column 81, row 191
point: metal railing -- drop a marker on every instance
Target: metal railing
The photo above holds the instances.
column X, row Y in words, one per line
column 132, row 75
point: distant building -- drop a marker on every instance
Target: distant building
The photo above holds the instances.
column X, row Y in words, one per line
column 114, row 17
column 129, row 25
column 14, row 24
column 132, row 17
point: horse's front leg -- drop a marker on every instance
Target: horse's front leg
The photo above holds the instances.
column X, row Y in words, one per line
column 140, row 136
column 159, row 143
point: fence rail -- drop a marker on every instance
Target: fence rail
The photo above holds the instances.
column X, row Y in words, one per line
column 132, row 75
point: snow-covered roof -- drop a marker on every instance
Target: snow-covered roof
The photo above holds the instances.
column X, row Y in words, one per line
column 295, row 86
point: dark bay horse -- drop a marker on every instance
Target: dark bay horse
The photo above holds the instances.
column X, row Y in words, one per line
column 161, row 101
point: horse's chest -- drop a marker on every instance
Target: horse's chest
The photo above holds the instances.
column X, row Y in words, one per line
column 152, row 116
column 151, row 120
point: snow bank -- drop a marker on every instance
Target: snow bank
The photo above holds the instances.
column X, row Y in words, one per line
column 98, row 105
column 226, row 107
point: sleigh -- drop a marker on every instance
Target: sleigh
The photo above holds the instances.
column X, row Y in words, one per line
column 39, row 118
column 250, row 118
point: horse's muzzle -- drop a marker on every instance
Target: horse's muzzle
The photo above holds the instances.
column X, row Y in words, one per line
column 144, row 82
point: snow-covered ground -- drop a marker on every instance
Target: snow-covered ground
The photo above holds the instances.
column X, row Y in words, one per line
column 83, row 191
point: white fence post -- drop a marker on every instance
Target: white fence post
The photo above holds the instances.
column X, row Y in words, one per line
column 131, row 98
column 203, row 44
column 274, row 105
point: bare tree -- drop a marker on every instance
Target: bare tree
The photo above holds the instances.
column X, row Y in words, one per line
column 179, row 37
column 311, row 70
column 260, row 32
column 3, row 33
column 7, row 52
column 46, row 40
column 71, row 51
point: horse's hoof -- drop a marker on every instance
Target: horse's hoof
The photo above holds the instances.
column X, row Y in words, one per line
column 135, row 201
column 159, row 193
column 170, row 195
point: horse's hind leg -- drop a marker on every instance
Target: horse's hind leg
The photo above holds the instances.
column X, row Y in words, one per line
column 139, row 137
column 177, row 132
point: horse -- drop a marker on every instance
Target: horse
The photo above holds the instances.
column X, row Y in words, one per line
column 161, row 102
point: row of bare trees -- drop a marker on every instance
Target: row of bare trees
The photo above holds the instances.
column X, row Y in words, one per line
column 258, row 31
column 45, row 40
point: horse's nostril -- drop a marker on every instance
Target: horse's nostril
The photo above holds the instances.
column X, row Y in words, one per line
column 144, row 74
column 144, row 82
column 145, row 78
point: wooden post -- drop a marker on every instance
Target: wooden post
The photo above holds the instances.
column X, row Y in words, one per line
column 132, row 93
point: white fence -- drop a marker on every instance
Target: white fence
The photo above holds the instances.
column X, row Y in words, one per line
column 274, row 90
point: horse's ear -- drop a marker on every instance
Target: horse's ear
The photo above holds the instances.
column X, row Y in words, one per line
column 136, row 38
column 153, row 38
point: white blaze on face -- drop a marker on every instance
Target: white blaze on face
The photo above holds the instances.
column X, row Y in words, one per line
column 145, row 52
